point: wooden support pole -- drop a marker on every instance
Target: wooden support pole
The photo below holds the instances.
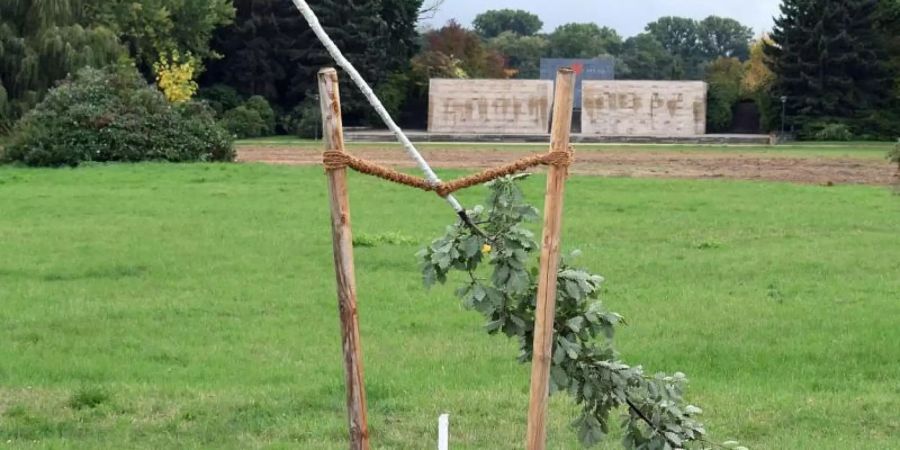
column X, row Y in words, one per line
column 550, row 249
column 342, row 242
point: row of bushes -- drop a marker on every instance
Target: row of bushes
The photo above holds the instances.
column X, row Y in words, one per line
column 255, row 117
column 878, row 126
column 114, row 115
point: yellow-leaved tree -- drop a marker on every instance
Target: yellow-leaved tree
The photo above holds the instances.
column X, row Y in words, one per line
column 175, row 75
column 758, row 77
column 758, row 81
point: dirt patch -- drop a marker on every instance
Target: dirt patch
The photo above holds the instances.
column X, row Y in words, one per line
column 639, row 164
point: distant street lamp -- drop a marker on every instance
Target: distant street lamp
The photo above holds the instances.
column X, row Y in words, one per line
column 318, row 120
column 783, row 113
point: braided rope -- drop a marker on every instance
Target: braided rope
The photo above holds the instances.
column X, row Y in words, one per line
column 369, row 94
column 335, row 159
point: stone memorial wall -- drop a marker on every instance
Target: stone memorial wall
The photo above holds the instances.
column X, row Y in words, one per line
column 489, row 106
column 644, row 108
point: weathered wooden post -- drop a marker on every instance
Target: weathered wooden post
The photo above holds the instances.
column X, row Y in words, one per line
column 342, row 243
column 550, row 250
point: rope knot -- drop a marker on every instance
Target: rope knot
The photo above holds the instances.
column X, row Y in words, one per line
column 560, row 158
column 443, row 189
column 334, row 160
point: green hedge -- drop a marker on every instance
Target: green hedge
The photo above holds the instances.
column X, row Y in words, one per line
column 114, row 115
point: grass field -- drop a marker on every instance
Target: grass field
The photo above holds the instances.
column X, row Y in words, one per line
column 162, row 306
column 864, row 150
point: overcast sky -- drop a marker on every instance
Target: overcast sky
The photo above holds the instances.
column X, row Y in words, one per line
column 628, row 17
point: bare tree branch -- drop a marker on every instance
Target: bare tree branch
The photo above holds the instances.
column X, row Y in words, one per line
column 430, row 9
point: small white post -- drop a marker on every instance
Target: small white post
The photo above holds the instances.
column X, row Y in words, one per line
column 444, row 432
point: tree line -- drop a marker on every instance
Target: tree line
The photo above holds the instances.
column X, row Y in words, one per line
column 835, row 63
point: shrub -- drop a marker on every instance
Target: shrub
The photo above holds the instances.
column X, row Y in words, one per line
column 304, row 120
column 393, row 94
column 259, row 104
column 252, row 119
column 724, row 77
column 243, row 122
column 826, row 131
column 221, row 97
column 113, row 115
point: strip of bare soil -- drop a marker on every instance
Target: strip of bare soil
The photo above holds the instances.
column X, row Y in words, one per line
column 622, row 164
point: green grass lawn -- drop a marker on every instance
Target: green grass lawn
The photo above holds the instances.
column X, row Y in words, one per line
column 193, row 306
column 863, row 150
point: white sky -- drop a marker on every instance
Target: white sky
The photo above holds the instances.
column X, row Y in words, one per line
column 628, row 17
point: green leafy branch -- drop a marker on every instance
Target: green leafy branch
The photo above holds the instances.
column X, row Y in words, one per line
column 584, row 363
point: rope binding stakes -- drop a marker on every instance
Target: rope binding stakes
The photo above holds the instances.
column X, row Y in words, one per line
column 382, row 112
column 338, row 160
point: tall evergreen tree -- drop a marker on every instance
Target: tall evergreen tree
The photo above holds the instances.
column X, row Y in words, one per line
column 829, row 61
column 271, row 51
column 889, row 29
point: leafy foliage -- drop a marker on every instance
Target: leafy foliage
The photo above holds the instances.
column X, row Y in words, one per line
column 175, row 76
column 584, row 40
column 681, row 38
column 643, row 57
column 272, row 52
column 243, row 123
column 722, row 37
column 523, row 53
column 758, row 82
column 305, row 119
column 40, row 43
column 221, row 97
column 830, row 63
column 493, row 23
column 724, row 77
column 254, row 118
column 584, row 362
column 113, row 115
column 152, row 29
column 827, row 131
column 889, row 31
column 456, row 42
column 693, row 44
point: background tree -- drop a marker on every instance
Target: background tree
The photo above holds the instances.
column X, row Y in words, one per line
column 492, row 23
column 724, row 77
column 584, row 40
column 153, row 28
column 476, row 59
column 258, row 50
column 889, row 30
column 725, row 38
column 40, row 43
column 643, row 57
column 758, row 81
column 681, row 38
column 401, row 17
column 830, row 63
column 270, row 50
column 523, row 53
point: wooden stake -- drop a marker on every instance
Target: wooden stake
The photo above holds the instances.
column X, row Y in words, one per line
column 550, row 249
column 342, row 242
